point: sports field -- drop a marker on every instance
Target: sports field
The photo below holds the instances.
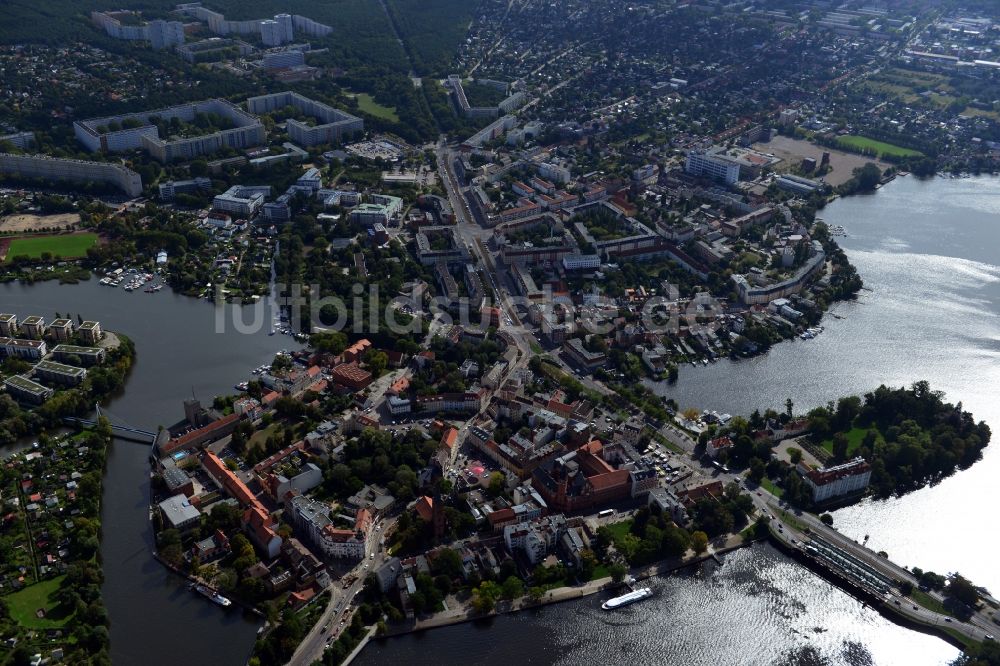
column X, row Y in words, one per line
column 880, row 147
column 67, row 246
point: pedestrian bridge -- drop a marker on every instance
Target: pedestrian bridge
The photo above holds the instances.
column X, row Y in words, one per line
column 120, row 430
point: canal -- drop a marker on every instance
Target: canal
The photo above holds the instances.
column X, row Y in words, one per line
column 155, row 620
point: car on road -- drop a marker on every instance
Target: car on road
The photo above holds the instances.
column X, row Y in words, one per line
column 897, row 602
column 947, row 619
column 915, row 608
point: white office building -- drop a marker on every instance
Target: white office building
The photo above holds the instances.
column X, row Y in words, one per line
column 712, row 165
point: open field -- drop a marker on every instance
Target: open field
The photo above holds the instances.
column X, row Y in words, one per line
column 66, row 246
column 27, row 222
column 855, row 436
column 25, row 603
column 882, row 148
column 793, row 151
column 370, row 106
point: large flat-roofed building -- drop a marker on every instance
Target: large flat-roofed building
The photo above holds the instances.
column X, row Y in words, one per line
column 242, row 200
column 159, row 33
column 59, row 373
column 312, row 518
column 141, row 134
column 23, row 389
column 20, row 140
column 333, row 124
column 213, row 49
column 575, row 350
column 283, row 59
column 179, row 512
column 91, row 332
column 845, row 479
column 713, row 165
column 758, row 294
column 74, row 171
column 86, row 355
column 30, row 350
column 370, row 214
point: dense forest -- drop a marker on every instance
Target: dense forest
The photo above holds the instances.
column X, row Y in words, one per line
column 911, row 436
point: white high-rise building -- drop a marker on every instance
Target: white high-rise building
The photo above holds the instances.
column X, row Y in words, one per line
column 270, row 32
column 284, row 22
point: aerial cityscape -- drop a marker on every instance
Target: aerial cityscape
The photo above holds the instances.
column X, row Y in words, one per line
column 483, row 331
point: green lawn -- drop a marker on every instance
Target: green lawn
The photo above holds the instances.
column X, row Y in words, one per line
column 24, row 604
column 371, row 107
column 600, row 571
column 68, row 246
column 927, row 601
column 620, row 530
column 259, row 438
column 855, row 436
column 791, row 519
column 883, row 149
column 769, row 486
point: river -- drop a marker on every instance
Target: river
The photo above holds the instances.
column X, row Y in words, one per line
column 155, row 620
column 929, row 253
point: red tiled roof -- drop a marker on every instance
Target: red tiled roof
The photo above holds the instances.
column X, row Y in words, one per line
column 425, row 508
column 185, row 439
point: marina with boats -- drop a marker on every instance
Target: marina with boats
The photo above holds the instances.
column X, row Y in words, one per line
column 133, row 279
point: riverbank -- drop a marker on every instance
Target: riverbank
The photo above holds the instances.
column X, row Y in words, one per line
column 896, row 613
column 563, row 594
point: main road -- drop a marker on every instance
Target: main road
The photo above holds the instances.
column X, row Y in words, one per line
column 339, row 609
column 798, row 528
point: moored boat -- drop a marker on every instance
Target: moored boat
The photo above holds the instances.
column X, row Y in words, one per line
column 626, row 599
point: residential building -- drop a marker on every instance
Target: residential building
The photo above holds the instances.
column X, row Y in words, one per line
column 8, row 325
column 58, row 373
column 242, row 200
column 85, row 355
column 140, row 133
column 29, row 350
column 73, row 171
column 333, row 124
column 535, row 539
column 23, row 389
column 313, row 519
column 33, row 327
column 91, row 332
column 575, row 349
column 172, row 188
column 61, row 330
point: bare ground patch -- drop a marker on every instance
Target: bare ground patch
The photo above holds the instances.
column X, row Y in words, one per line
column 26, row 222
column 793, row 151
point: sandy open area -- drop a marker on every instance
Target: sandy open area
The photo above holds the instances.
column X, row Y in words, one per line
column 27, row 222
column 793, row 151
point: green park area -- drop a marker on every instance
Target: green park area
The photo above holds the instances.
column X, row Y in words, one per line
column 855, row 437
column 67, row 246
column 368, row 105
column 25, row 604
column 882, row 149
